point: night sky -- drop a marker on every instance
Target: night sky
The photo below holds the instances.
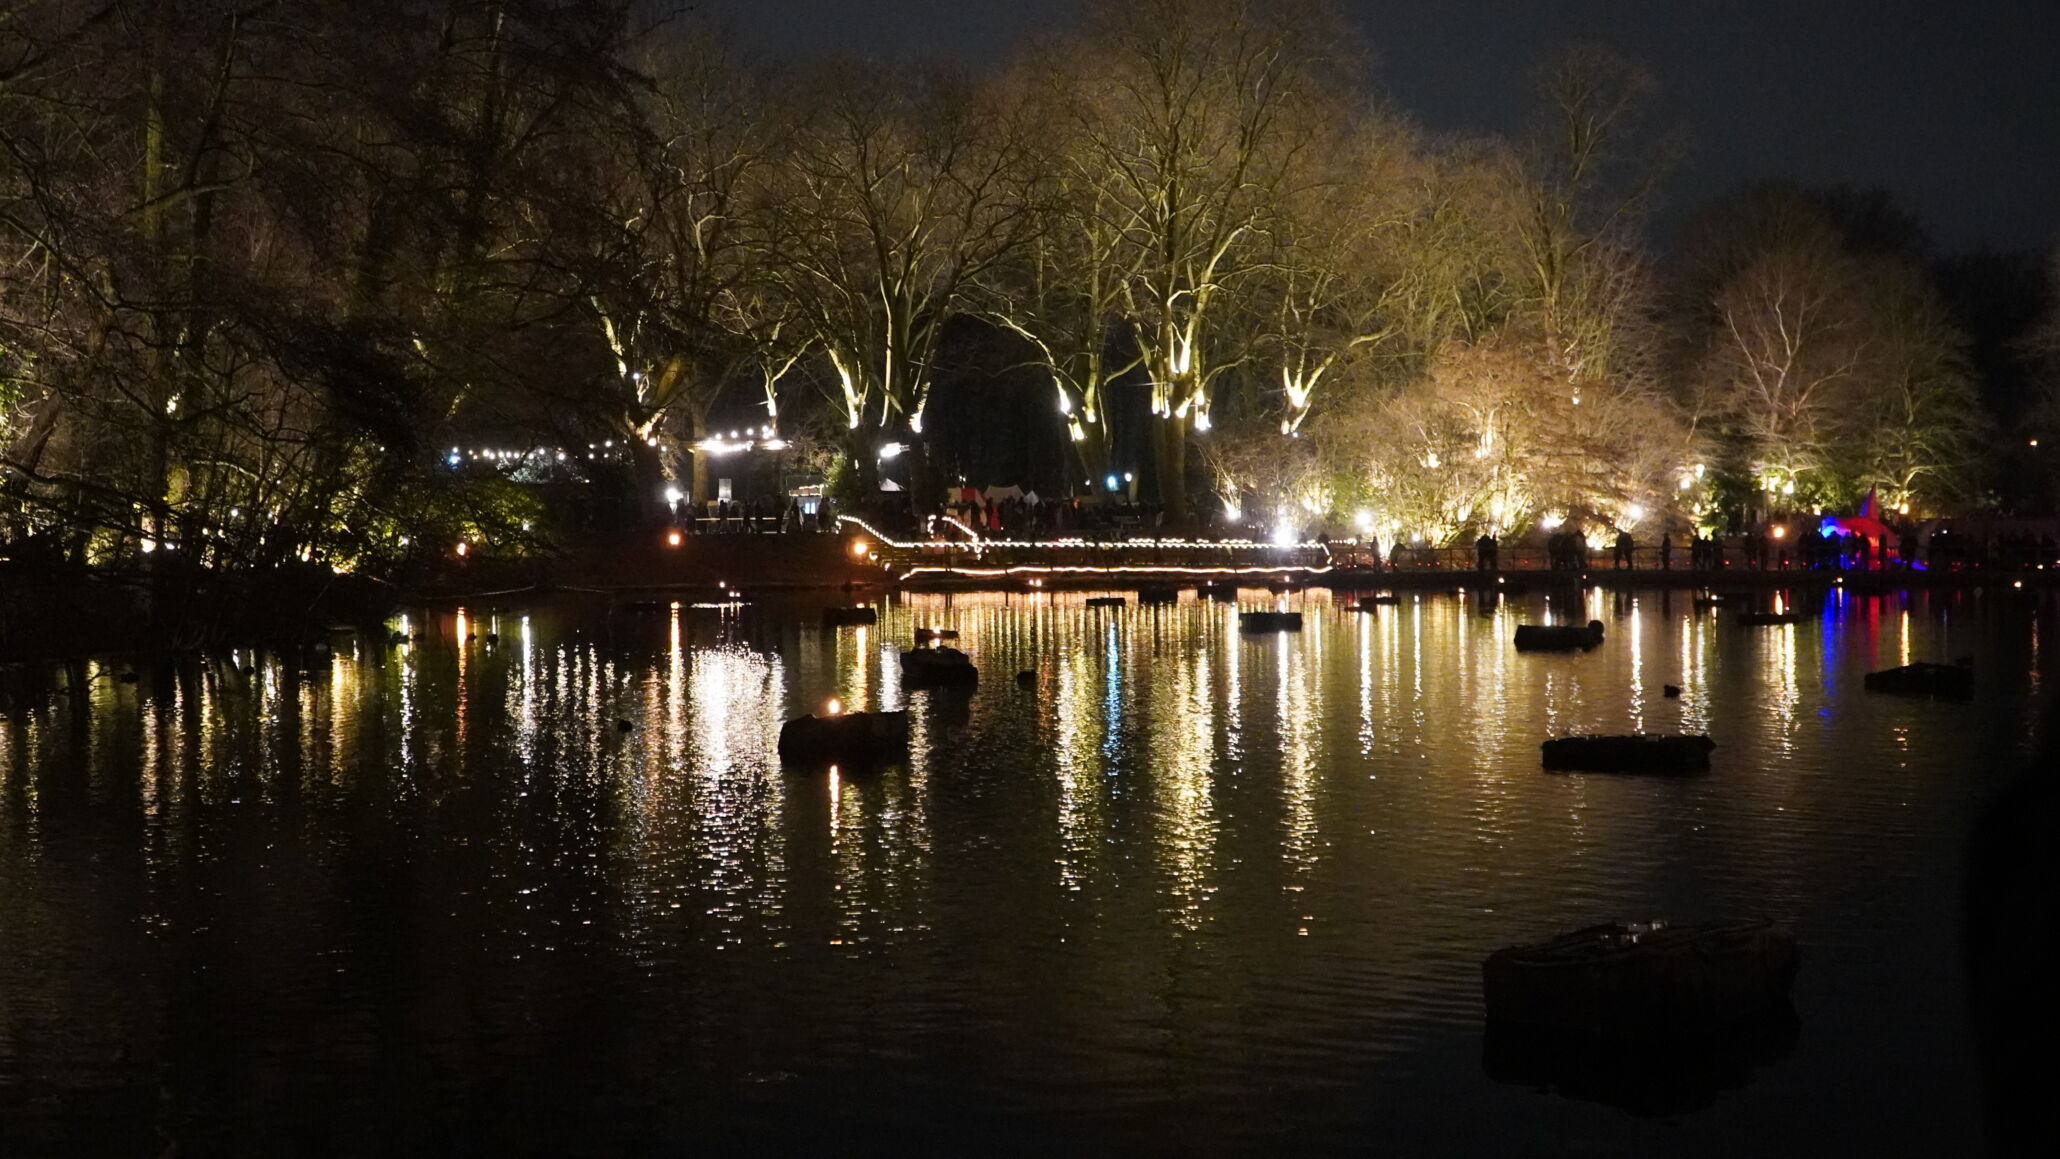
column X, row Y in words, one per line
column 1952, row 105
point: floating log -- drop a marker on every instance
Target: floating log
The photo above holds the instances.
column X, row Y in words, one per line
column 937, row 668
column 1641, row 981
column 1641, row 753
column 1368, row 603
column 1269, row 621
column 850, row 738
column 1943, row 681
column 849, row 617
column 1558, row 637
column 1661, row 1075
column 1105, row 601
column 925, row 635
column 1768, row 619
column 1158, row 594
column 1670, row 691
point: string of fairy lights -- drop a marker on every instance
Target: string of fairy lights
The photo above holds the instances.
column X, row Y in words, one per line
column 1126, row 551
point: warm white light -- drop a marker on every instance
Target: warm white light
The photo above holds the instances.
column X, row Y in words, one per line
column 1283, row 534
column 858, row 548
column 1552, row 519
column 891, row 450
column 1363, row 520
column 832, row 706
column 1780, row 532
column 1788, row 488
column 1686, row 482
column 672, row 538
column 461, row 547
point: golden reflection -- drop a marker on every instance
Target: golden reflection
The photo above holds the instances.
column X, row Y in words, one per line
column 1297, row 720
column 1635, row 627
column 1903, row 637
column 1081, row 730
column 1363, row 625
column 1182, row 712
column 1778, row 671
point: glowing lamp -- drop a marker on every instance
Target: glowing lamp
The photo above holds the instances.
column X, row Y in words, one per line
column 858, row 548
column 1780, row 533
column 832, row 706
column 672, row 539
column 461, row 547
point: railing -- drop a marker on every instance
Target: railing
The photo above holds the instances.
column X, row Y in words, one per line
column 963, row 553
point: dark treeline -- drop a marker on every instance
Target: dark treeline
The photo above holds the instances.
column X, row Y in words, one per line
column 271, row 275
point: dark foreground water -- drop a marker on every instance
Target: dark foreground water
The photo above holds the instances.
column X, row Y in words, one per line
column 1194, row 892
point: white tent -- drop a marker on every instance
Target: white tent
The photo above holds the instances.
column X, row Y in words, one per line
column 889, row 485
column 997, row 494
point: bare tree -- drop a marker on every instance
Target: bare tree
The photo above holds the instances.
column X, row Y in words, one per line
column 1190, row 121
column 902, row 192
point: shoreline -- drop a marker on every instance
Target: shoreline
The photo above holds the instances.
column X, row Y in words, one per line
column 55, row 617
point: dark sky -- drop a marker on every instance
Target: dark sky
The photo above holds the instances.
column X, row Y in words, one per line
column 1952, row 105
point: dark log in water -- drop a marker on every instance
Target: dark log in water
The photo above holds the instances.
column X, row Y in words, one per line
column 937, row 667
column 849, row 617
column 1269, row 621
column 1643, row 981
column 1639, row 753
column 1105, row 601
column 1943, row 681
column 1558, row 638
column 853, row 739
column 1158, row 594
column 1652, row 1076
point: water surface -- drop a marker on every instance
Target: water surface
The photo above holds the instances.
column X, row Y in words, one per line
column 1192, row 891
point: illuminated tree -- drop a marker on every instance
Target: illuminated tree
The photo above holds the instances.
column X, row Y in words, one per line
column 1357, row 252
column 1190, row 120
column 662, row 239
column 901, row 193
column 1834, row 370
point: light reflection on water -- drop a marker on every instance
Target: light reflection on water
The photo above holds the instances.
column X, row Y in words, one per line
column 1192, row 888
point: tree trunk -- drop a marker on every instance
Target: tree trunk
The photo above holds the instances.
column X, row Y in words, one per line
column 922, row 482
column 1092, row 450
column 1169, row 449
column 648, row 507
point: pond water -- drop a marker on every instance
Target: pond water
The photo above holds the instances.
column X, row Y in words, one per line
column 1194, row 890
